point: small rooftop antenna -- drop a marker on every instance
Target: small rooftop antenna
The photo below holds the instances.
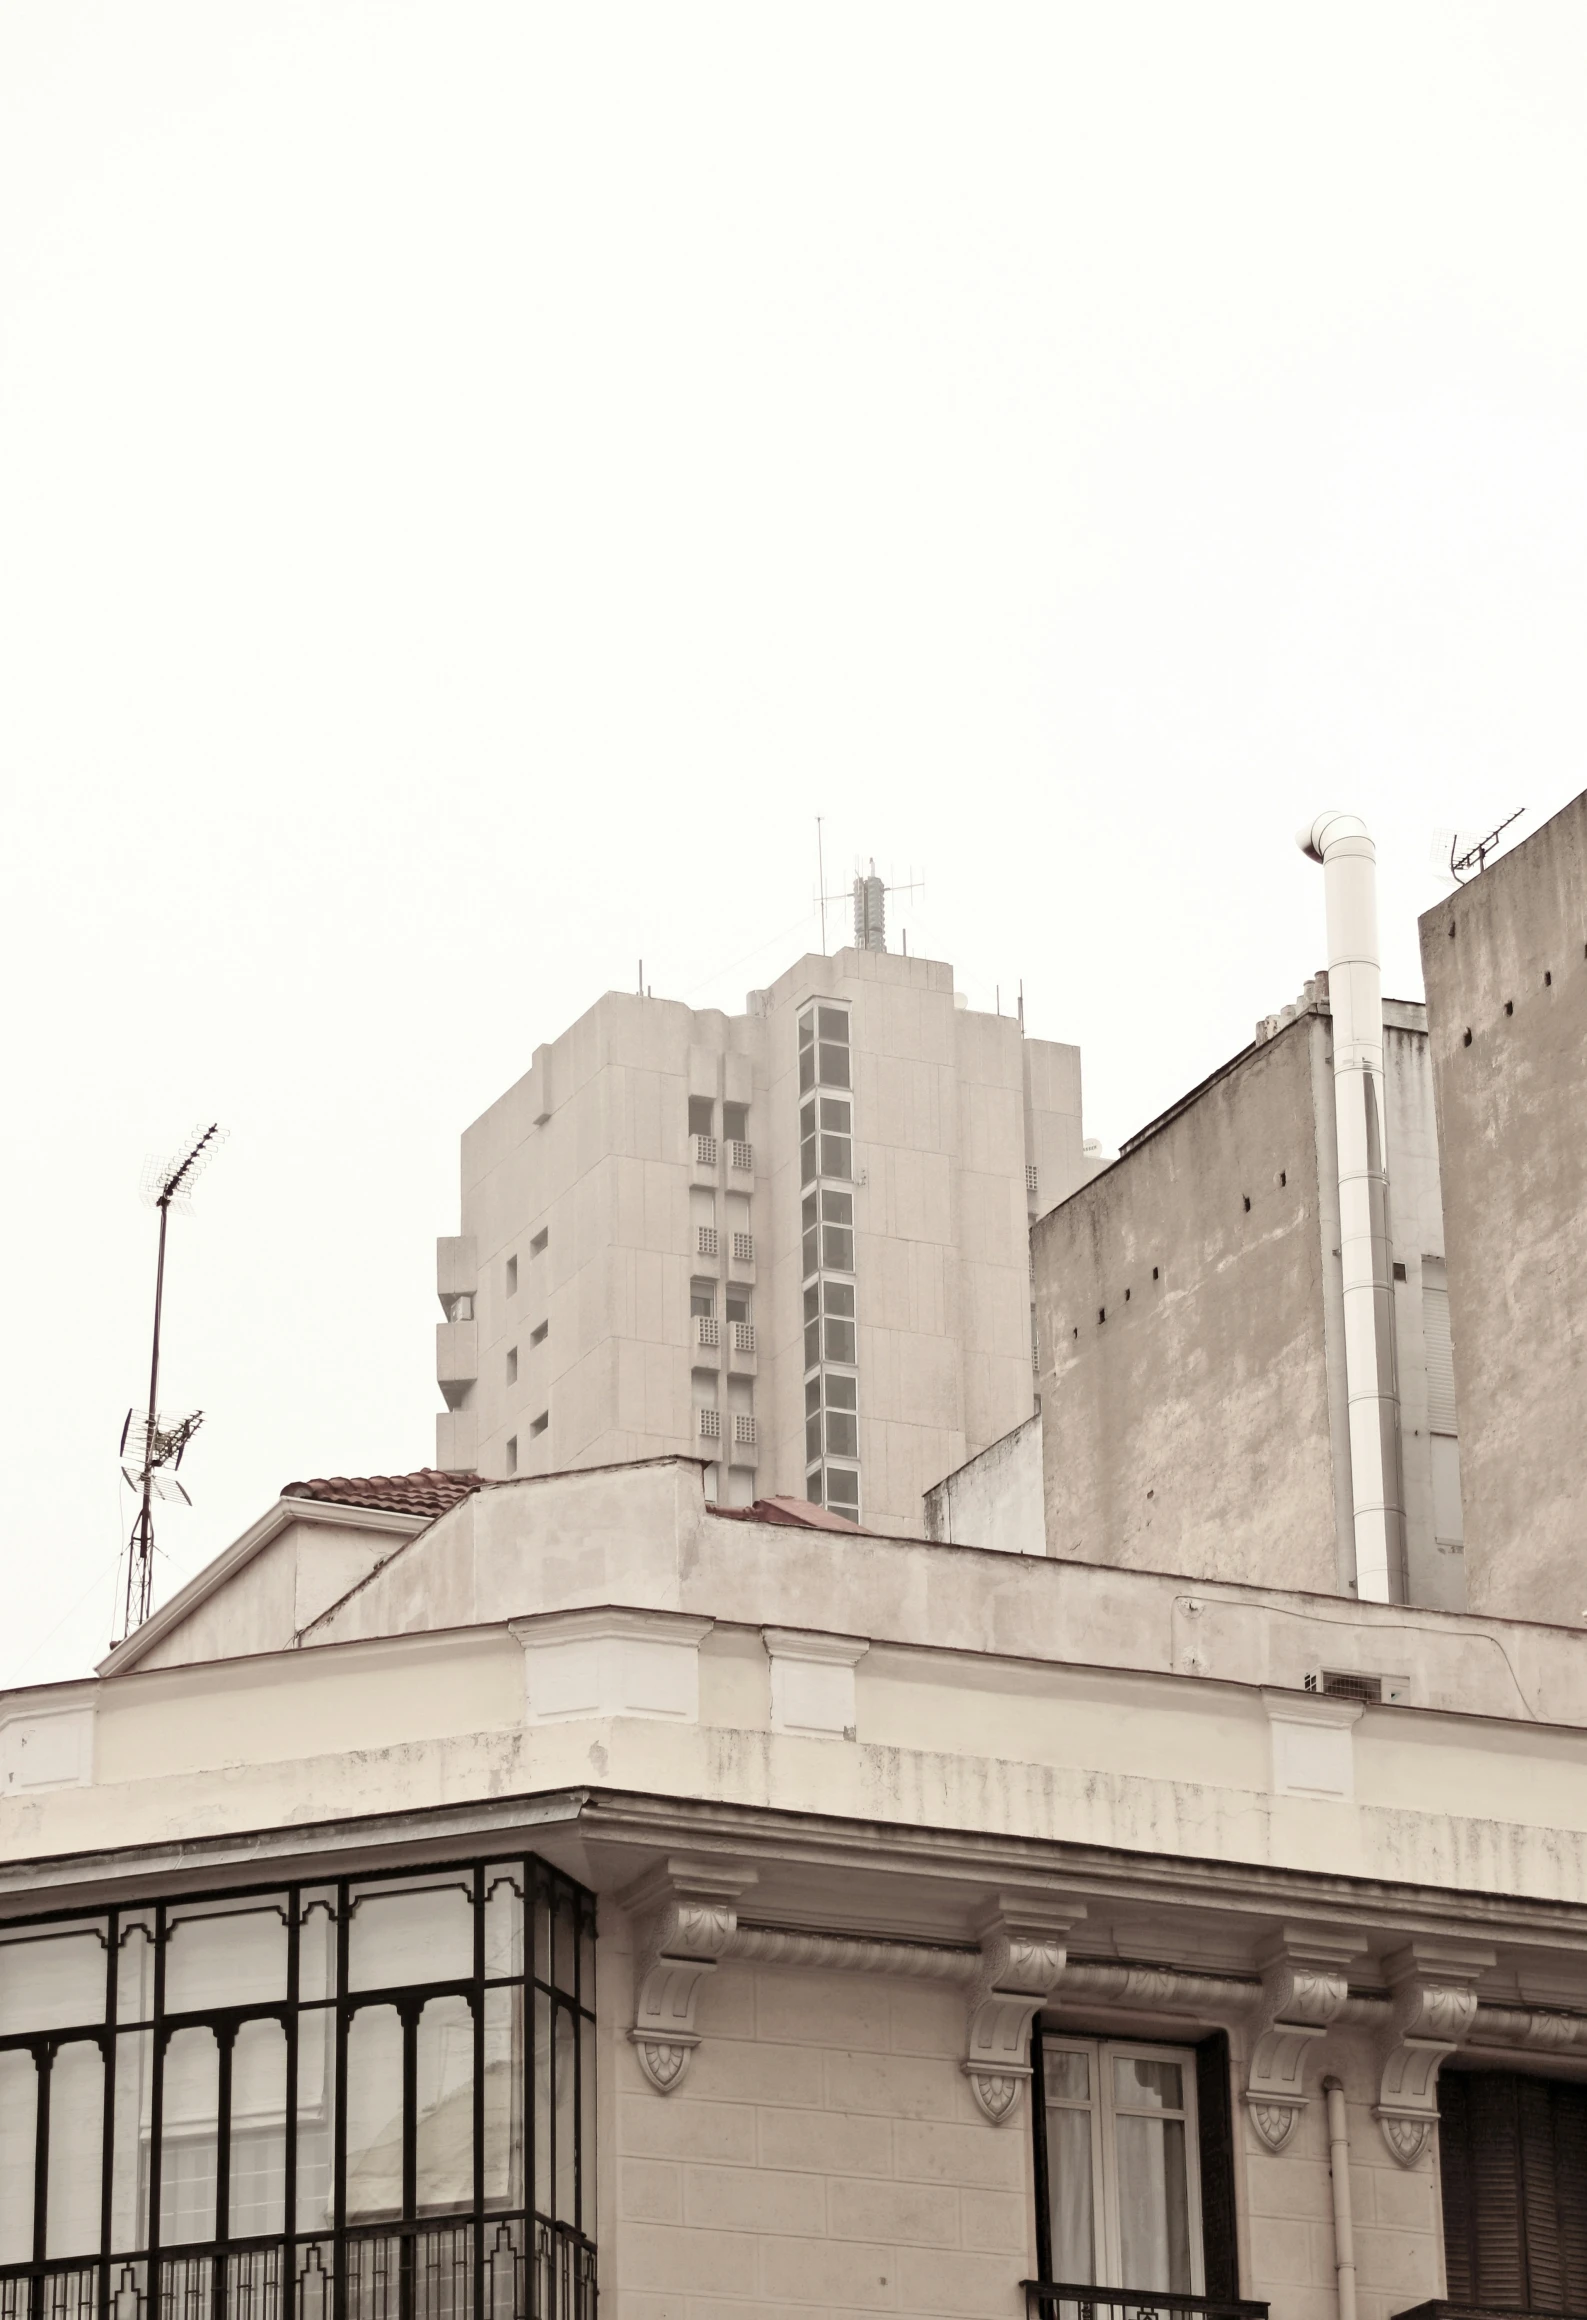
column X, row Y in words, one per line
column 1475, row 859
column 156, row 1447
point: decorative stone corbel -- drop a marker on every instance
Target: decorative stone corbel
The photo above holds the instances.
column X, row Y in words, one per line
column 1304, row 1985
column 685, row 1915
column 1434, row 2005
column 1024, row 1948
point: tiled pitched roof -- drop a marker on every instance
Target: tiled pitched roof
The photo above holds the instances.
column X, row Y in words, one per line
column 429, row 1491
column 798, row 1513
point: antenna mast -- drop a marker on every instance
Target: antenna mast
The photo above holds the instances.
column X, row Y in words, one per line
column 166, row 1186
column 1475, row 860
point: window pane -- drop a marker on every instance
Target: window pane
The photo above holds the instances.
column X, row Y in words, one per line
column 1140, row 2085
column 838, row 1297
column 807, row 1027
column 843, row 1434
column 812, row 1344
column 1154, row 2210
column 225, row 1956
column 834, row 1066
column 135, row 1969
column 837, row 1207
column 1068, row 2075
column 18, row 2119
column 1073, row 2201
column 813, row 1437
column 835, row 1156
column 503, row 1919
column 565, row 2064
column 837, row 1247
column 129, row 2181
column 809, row 1252
column 316, row 1944
column 835, row 1023
column 840, row 1340
column 841, row 1393
column 56, row 1983
column 257, row 2174
column 542, row 2121
column 843, row 1490
column 410, row 1934
column 812, row 1396
column 444, row 2126
column 77, row 2130
column 503, row 2098
column 316, row 2117
column 807, row 1161
column 374, row 2114
column 836, row 1115
column 188, row 2138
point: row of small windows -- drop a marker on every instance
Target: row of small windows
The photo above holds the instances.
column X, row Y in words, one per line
column 537, row 1248
column 823, row 1048
column 828, row 1232
column 826, row 1165
column 735, row 1119
column 826, row 1127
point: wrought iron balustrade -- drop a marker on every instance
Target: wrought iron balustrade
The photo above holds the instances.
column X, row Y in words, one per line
column 1067, row 2300
column 400, row 2271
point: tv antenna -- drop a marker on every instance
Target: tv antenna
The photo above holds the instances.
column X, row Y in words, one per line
column 153, row 1447
column 1475, row 859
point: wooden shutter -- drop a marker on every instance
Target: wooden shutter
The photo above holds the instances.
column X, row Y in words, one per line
column 1513, row 2162
column 1215, row 2130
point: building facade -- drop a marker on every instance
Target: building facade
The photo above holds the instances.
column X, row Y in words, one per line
column 794, row 1242
column 1195, row 1388
column 1505, row 962
column 615, row 1894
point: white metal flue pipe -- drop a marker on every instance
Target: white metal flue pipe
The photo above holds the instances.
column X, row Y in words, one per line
column 1343, row 846
column 1344, row 2225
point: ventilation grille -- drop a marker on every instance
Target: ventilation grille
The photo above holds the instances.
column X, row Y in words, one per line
column 1341, row 1685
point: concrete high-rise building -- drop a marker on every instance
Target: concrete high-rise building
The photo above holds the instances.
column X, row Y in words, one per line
column 1505, row 962
column 793, row 1242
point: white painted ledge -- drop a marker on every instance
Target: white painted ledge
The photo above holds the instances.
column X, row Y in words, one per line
column 581, row 1664
column 1313, row 1745
column 812, row 1681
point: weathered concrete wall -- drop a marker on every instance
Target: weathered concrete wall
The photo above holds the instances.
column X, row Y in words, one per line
column 995, row 1500
column 1505, row 961
column 1180, row 1307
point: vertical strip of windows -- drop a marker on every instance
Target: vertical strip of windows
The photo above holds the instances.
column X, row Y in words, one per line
column 367, row 2094
column 831, row 1320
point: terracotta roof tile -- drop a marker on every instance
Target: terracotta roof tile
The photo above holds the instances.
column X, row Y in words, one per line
column 429, row 1491
column 798, row 1513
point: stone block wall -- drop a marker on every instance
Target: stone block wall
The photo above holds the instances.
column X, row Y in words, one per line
column 823, row 2156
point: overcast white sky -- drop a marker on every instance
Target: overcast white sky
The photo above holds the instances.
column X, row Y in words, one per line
column 476, row 481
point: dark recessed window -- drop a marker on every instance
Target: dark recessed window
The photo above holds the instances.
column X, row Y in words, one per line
column 539, row 1425
column 1283, row 1176
column 537, row 1245
column 1399, row 1272
column 1509, row 1006
column 1466, row 1042
column 1102, row 1313
column 1548, row 978
column 538, row 1336
column 1247, row 1204
column 512, row 1276
column 512, row 1365
column 510, row 1454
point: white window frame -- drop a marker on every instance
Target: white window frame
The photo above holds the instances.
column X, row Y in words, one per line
column 1104, row 2146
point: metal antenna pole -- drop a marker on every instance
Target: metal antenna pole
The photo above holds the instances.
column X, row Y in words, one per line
column 162, row 1446
column 821, row 886
column 140, row 1557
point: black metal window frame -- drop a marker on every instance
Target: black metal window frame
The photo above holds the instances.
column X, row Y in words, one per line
column 522, row 2258
column 1050, row 2299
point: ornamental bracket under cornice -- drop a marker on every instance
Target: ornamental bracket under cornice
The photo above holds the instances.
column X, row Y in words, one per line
column 1433, row 2005
column 685, row 1916
column 1304, row 1985
column 1024, row 1949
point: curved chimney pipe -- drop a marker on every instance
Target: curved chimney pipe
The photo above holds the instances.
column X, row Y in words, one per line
column 1342, row 844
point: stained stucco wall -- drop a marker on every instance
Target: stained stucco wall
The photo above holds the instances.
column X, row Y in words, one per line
column 1505, row 962
column 1180, row 1304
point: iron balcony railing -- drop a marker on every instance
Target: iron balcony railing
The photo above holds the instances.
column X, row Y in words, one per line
column 1067, row 2300
column 460, row 2270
